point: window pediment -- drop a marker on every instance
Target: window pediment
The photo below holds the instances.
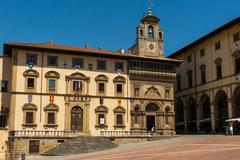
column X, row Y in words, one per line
column 51, row 107
column 119, row 109
column 52, row 74
column 152, row 92
column 101, row 109
column 236, row 54
column 29, row 106
column 203, row 67
column 31, row 73
column 119, row 79
column 101, row 77
column 78, row 76
column 218, row 61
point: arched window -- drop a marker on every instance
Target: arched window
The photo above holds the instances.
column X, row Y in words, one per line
column 152, row 107
column 136, row 110
column 150, row 32
column 190, row 78
column 29, row 115
column 167, row 112
column 218, row 63
column 160, row 35
column 51, row 115
column 237, row 61
column 141, row 32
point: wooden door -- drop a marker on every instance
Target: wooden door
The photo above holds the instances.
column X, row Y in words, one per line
column 76, row 119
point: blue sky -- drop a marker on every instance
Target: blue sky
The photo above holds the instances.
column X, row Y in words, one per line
column 110, row 23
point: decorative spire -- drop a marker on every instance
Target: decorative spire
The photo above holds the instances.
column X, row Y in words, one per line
column 149, row 7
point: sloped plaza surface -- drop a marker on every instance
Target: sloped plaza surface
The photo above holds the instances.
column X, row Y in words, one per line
column 206, row 147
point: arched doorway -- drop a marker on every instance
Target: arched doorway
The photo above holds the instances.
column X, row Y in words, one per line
column 77, row 119
column 191, row 116
column 236, row 109
column 151, row 110
column 205, row 114
column 221, row 110
column 179, row 117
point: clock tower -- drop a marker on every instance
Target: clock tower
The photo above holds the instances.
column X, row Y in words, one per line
column 149, row 40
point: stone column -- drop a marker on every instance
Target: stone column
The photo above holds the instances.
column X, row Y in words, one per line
column 198, row 117
column 185, row 120
column 230, row 109
column 212, row 118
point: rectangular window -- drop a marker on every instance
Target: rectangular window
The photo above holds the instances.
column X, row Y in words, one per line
column 29, row 117
column 30, row 83
column 101, row 87
column 119, row 66
column 119, row 119
column 219, row 71
column 51, row 118
column 52, row 61
column 4, row 86
column 203, row 76
column 217, row 45
column 31, row 59
column 3, row 121
column 237, row 63
column 119, row 88
column 202, row 52
column 34, row 147
column 77, row 86
column 101, row 119
column 77, row 63
column 190, row 80
column 236, row 37
column 101, row 65
column 189, row 58
column 52, row 85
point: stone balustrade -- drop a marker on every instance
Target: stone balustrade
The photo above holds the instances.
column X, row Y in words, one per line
column 40, row 133
column 126, row 134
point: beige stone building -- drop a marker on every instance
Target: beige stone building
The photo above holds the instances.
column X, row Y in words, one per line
column 207, row 89
column 53, row 92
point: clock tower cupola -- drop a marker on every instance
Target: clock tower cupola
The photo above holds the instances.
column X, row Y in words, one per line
column 149, row 40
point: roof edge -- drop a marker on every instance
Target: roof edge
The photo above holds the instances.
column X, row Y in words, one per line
column 209, row 35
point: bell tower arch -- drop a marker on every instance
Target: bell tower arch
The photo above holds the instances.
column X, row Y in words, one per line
column 149, row 40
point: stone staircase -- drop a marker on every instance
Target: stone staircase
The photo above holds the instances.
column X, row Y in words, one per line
column 81, row 144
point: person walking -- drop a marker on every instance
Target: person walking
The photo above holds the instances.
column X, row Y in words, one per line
column 227, row 130
column 231, row 129
column 152, row 130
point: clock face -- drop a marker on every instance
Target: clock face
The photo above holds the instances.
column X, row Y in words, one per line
column 151, row 46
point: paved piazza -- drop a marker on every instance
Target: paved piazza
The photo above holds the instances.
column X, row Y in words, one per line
column 181, row 148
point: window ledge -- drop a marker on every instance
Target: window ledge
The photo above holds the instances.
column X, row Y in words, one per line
column 101, row 126
column 30, row 125
column 119, row 126
column 50, row 126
